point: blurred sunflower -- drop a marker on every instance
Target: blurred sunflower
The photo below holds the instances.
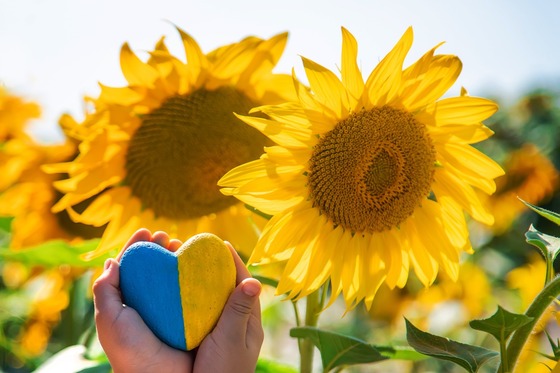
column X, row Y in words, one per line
column 27, row 193
column 468, row 297
column 15, row 114
column 49, row 297
column 27, row 196
column 153, row 151
column 368, row 178
column 531, row 176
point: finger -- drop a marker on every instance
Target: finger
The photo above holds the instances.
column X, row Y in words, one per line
column 161, row 238
column 174, row 244
column 106, row 295
column 241, row 269
column 255, row 332
column 240, row 307
column 141, row 234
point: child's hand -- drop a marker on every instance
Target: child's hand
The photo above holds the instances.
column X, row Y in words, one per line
column 233, row 345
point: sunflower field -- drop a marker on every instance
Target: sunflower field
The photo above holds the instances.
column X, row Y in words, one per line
column 394, row 227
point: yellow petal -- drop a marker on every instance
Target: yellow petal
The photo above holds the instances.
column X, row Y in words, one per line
column 136, row 72
column 472, row 170
column 333, row 241
column 455, row 223
column 285, row 135
column 122, row 95
column 384, row 81
column 266, row 56
column 102, row 209
column 425, row 266
column 437, row 74
column 350, row 72
column 327, row 88
column 429, row 218
column 450, row 185
column 463, row 110
column 196, row 60
column 460, row 134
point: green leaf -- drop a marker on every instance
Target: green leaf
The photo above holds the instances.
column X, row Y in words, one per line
column 548, row 245
column 269, row 366
column 469, row 357
column 400, row 353
column 547, row 214
column 54, row 253
column 337, row 349
column 501, row 324
column 5, row 228
column 6, row 224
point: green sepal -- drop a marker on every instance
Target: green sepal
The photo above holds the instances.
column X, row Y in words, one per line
column 548, row 245
column 547, row 214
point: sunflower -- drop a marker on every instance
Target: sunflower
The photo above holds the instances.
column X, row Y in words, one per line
column 531, row 176
column 153, row 151
column 368, row 179
column 28, row 193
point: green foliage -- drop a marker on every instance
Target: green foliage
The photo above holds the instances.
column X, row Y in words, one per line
column 501, row 324
column 5, row 227
column 337, row 349
column 54, row 253
column 469, row 357
column 269, row 366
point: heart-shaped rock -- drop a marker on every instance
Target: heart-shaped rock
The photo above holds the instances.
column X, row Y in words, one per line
column 179, row 295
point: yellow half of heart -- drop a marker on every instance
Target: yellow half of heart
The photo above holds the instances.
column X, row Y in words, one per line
column 206, row 278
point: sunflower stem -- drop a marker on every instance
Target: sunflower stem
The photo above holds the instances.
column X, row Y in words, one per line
column 519, row 338
column 312, row 311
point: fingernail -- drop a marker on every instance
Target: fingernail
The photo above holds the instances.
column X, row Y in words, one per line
column 251, row 288
column 107, row 264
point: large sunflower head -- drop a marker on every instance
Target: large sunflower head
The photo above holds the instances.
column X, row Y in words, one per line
column 368, row 177
column 153, row 151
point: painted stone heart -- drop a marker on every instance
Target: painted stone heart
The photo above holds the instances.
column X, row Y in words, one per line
column 179, row 295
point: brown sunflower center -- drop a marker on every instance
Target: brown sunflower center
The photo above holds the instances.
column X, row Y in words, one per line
column 181, row 150
column 372, row 170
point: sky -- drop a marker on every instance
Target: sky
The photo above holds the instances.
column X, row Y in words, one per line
column 55, row 52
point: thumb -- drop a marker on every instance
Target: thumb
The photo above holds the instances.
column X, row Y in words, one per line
column 242, row 305
column 106, row 295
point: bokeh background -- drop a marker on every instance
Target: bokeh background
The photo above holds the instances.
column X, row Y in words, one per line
column 55, row 52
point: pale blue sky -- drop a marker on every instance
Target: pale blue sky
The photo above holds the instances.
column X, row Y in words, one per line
column 56, row 51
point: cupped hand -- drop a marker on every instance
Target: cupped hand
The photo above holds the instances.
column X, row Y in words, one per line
column 233, row 345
